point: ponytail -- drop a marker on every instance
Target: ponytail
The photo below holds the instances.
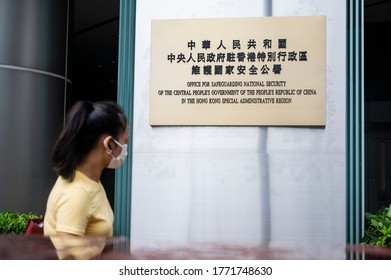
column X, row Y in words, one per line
column 84, row 124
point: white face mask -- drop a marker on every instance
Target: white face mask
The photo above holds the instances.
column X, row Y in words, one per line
column 119, row 160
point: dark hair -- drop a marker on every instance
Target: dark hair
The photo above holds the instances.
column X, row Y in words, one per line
column 85, row 123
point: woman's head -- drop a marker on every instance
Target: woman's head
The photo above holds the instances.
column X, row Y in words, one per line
column 85, row 125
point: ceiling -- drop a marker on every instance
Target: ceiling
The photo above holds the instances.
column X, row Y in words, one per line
column 377, row 10
column 95, row 45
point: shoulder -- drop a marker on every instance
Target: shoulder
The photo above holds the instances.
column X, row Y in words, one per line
column 69, row 192
column 79, row 190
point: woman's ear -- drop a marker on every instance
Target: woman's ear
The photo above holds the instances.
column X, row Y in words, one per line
column 106, row 142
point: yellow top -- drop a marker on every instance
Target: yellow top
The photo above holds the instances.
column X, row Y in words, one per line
column 78, row 207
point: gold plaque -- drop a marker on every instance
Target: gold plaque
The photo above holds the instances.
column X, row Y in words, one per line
column 268, row 71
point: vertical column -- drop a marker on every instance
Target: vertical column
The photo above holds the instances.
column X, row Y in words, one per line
column 34, row 82
column 355, row 123
column 123, row 176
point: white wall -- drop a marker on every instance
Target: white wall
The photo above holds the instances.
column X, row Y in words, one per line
column 241, row 185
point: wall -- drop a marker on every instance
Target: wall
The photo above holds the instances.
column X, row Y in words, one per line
column 239, row 185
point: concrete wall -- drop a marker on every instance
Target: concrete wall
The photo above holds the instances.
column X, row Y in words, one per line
column 239, row 185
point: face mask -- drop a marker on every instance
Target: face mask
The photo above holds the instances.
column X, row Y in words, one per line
column 119, row 160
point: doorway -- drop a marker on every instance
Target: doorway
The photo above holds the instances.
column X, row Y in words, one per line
column 377, row 105
column 94, row 60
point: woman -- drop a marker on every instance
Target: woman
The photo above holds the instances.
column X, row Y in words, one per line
column 94, row 137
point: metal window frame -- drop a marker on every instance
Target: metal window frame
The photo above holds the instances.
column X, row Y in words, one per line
column 355, row 122
column 125, row 94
